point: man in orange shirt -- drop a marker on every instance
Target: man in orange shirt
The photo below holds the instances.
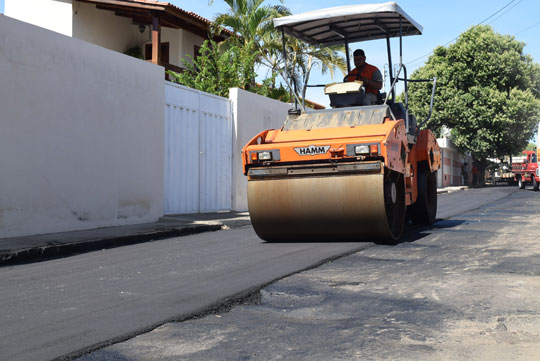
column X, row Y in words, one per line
column 368, row 74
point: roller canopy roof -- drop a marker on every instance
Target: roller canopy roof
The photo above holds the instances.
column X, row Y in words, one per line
column 355, row 23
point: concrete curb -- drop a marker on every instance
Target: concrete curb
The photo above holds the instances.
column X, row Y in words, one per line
column 58, row 250
column 451, row 189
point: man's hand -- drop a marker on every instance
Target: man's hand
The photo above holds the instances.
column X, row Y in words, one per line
column 372, row 83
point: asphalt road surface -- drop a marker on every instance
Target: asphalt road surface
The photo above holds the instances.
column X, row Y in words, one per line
column 464, row 290
column 66, row 307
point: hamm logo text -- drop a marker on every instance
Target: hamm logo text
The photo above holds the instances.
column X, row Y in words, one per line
column 312, row 150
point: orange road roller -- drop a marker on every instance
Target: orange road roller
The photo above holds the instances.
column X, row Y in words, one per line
column 353, row 172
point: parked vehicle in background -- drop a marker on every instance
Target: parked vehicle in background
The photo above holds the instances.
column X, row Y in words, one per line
column 527, row 171
column 500, row 173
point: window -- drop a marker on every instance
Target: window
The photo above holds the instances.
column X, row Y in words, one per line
column 196, row 51
column 164, row 59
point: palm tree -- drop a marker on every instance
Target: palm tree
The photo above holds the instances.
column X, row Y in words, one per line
column 252, row 22
column 305, row 57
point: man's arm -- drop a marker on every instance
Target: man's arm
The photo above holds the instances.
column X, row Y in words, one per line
column 375, row 81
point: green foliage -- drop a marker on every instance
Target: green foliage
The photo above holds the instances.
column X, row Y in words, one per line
column 252, row 21
column 269, row 90
column 487, row 93
column 219, row 68
column 216, row 70
column 135, row 52
column 232, row 63
column 531, row 146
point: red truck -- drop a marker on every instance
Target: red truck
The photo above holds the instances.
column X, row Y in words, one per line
column 527, row 171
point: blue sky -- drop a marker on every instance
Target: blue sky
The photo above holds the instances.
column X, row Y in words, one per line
column 442, row 20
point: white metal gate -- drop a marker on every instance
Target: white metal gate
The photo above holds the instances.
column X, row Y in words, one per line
column 198, row 151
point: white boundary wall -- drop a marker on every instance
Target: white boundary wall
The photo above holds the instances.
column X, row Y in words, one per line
column 198, row 156
column 81, row 134
column 252, row 114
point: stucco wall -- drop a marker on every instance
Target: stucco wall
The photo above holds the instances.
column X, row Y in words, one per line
column 189, row 40
column 54, row 15
column 104, row 28
column 252, row 114
column 81, row 144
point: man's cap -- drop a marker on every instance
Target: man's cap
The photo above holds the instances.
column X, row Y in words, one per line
column 359, row 52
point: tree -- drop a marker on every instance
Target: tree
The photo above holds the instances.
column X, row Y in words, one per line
column 252, row 21
column 216, row 71
column 304, row 57
column 531, row 146
column 488, row 93
column 233, row 62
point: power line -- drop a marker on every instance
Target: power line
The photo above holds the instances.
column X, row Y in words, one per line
column 527, row 28
column 483, row 21
column 513, row 6
column 498, row 11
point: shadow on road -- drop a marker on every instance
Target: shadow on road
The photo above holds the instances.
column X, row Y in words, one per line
column 411, row 233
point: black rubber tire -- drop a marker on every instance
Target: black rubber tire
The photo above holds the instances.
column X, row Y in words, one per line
column 394, row 206
column 536, row 186
column 521, row 183
column 395, row 210
column 424, row 211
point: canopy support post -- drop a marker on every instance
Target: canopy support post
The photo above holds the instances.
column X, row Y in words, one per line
column 347, row 55
column 291, row 91
column 156, row 39
column 390, row 65
column 284, row 51
column 407, row 125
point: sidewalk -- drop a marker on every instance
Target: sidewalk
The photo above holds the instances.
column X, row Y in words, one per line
column 40, row 247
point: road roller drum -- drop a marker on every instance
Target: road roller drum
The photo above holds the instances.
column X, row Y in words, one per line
column 337, row 207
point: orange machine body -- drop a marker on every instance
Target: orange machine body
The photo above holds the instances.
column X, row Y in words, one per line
column 305, row 148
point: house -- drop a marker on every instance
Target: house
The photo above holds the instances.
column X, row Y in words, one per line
column 452, row 161
column 121, row 25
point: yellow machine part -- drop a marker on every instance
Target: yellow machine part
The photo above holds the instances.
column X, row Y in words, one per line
column 329, row 208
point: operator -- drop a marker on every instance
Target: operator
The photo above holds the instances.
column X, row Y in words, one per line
column 368, row 74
